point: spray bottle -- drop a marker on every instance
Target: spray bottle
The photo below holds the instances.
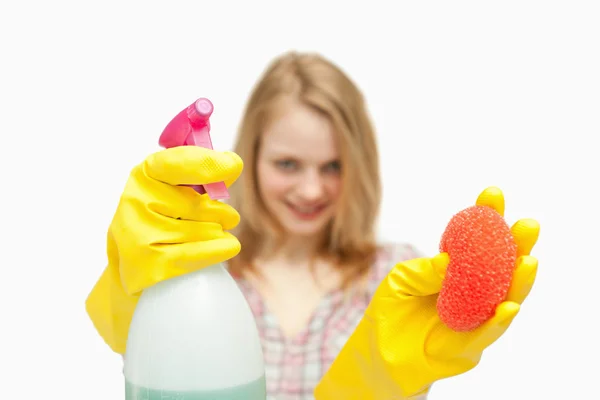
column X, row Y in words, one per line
column 194, row 337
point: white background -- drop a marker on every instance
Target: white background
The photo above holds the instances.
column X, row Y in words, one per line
column 463, row 94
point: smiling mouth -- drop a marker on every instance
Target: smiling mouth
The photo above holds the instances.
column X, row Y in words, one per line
column 304, row 212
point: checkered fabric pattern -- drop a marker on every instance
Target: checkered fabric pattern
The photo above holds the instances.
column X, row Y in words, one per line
column 295, row 366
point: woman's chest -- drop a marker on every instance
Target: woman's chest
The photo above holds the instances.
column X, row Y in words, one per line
column 295, row 364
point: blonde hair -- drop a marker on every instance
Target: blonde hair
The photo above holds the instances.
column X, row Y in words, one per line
column 321, row 85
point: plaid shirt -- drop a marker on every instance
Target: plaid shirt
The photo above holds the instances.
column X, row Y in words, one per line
column 294, row 366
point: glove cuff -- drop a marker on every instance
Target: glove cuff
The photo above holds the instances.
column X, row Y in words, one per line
column 358, row 373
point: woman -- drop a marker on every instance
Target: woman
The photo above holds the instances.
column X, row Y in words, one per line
column 308, row 200
column 330, row 314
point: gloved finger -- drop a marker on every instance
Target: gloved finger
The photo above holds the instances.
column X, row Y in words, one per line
column 526, row 232
column 176, row 232
column 154, row 229
column 191, row 256
column 178, row 202
column 442, row 340
column 218, row 212
column 523, row 279
column 172, row 260
column 419, row 276
column 193, row 165
column 492, row 197
column 195, row 208
column 491, row 330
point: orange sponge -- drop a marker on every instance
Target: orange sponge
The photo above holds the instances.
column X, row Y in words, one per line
column 482, row 253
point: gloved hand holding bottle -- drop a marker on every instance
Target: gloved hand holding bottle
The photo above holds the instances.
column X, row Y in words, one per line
column 400, row 347
column 162, row 230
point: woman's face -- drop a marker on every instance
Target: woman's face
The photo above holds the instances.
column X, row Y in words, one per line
column 298, row 170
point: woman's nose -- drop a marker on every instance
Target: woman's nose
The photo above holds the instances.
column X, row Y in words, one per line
column 311, row 187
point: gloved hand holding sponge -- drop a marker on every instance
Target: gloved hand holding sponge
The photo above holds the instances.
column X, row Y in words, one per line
column 400, row 348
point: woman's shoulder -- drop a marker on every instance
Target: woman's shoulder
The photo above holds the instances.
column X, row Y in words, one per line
column 402, row 250
column 387, row 256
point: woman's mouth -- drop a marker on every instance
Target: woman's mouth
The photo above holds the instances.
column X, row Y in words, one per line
column 307, row 212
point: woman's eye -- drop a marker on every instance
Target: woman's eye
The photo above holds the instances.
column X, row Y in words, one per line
column 286, row 164
column 333, row 167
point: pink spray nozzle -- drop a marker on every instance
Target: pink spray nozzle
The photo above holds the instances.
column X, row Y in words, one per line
column 202, row 110
column 191, row 127
column 193, row 118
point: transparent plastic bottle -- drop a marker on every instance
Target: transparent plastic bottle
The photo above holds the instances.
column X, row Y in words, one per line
column 194, row 337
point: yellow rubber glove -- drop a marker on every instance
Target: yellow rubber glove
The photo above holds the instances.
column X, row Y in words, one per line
column 400, row 347
column 161, row 230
